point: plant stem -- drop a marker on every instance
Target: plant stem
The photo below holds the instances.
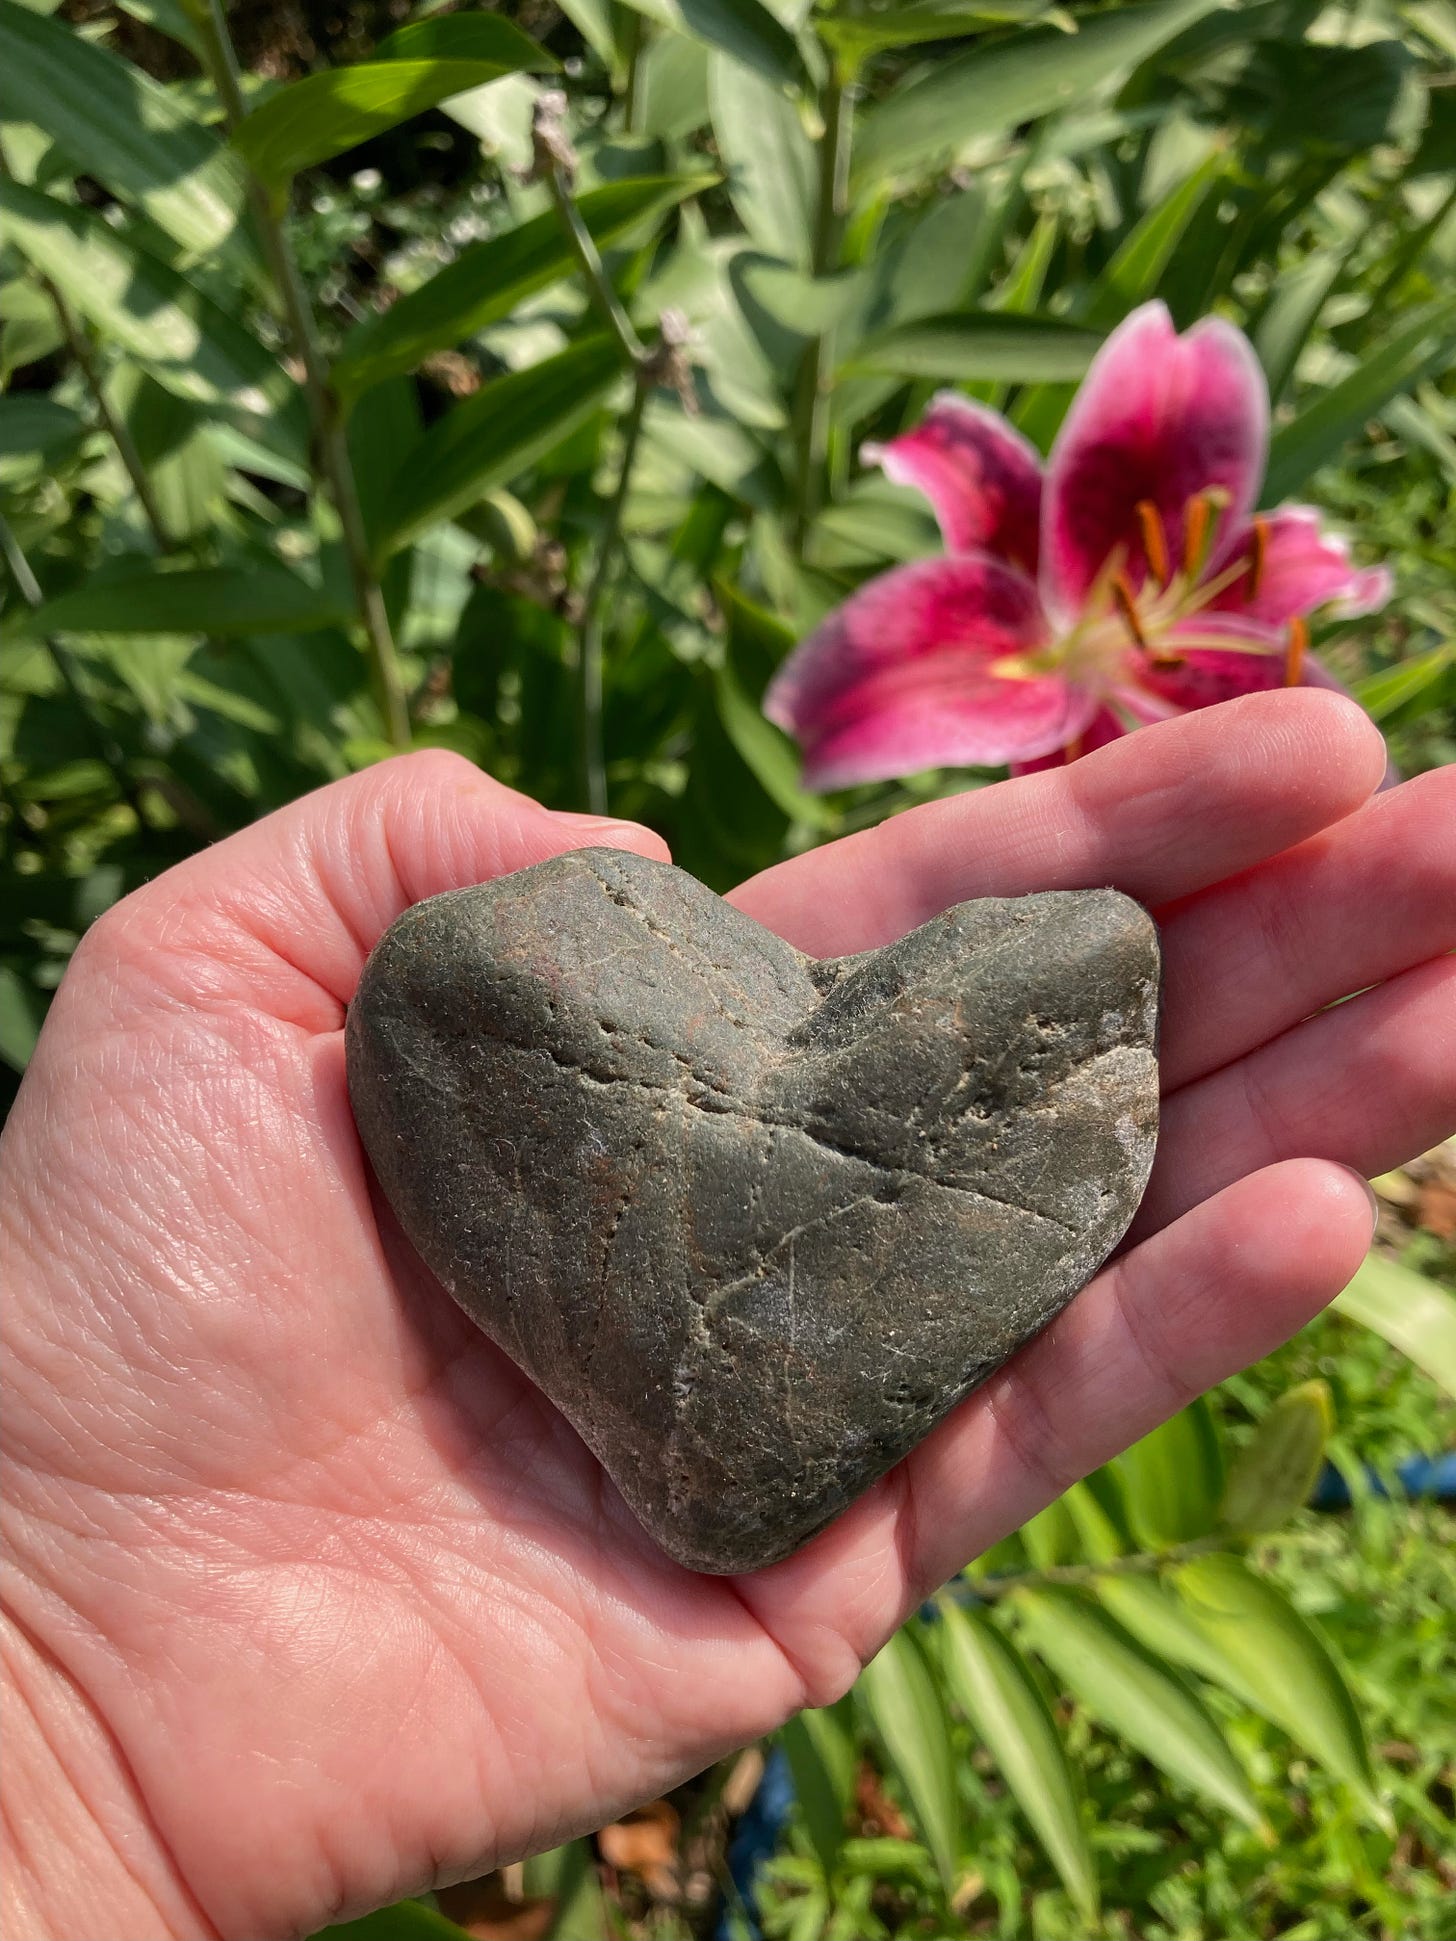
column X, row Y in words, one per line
column 812, row 401
column 81, row 348
column 331, row 445
column 107, row 747
column 590, row 635
column 1140, row 1563
column 589, row 259
column 632, row 92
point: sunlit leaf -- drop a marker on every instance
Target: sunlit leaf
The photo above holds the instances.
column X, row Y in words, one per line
column 1409, row 1311
column 1398, row 363
column 1123, row 1684
column 1172, row 1480
column 768, row 157
column 986, row 91
column 205, row 599
column 1272, row 1475
column 492, row 437
column 993, row 1684
column 1286, row 1661
column 855, row 36
column 1384, row 693
column 767, row 751
column 328, row 113
column 489, row 279
column 744, row 30
column 980, row 344
column 118, row 125
column 909, row 1718
column 188, row 342
column 820, row 1751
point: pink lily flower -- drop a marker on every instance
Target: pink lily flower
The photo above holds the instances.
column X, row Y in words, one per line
column 1130, row 580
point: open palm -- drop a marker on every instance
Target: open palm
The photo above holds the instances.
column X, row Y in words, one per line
column 327, row 1603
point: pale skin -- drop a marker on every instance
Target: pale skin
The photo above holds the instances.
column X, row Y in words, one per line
column 311, row 1601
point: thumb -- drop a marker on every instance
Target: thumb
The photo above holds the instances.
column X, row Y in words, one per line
column 286, row 911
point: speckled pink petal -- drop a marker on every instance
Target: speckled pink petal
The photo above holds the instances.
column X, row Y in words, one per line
column 1254, row 661
column 1105, row 726
column 1160, row 418
column 904, row 676
column 980, row 475
column 1303, row 568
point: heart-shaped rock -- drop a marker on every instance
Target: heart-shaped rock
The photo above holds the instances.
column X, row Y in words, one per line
column 754, row 1222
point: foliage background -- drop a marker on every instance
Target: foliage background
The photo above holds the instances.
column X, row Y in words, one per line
column 312, row 444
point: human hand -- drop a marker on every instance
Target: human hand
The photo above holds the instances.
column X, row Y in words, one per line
column 314, row 1601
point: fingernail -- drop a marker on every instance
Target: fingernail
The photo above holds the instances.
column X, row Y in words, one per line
column 1369, row 1192
column 609, row 832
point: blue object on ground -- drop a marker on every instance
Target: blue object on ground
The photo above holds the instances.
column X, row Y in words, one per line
column 755, row 1840
column 1425, row 1476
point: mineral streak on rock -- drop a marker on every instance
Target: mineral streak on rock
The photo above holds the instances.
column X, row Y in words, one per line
column 754, row 1222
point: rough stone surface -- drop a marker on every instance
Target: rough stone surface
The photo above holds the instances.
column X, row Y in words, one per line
column 754, row 1222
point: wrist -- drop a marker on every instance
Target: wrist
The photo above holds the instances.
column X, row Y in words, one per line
column 78, row 1855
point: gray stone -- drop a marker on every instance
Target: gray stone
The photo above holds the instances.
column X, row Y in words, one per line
column 754, row 1222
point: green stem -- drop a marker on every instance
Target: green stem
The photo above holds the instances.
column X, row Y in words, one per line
column 589, row 259
column 812, row 400
column 632, row 93
column 81, row 348
column 593, row 761
column 1141, row 1563
column 331, row 445
column 107, row 747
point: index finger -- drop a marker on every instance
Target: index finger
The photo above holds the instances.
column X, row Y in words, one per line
column 1158, row 814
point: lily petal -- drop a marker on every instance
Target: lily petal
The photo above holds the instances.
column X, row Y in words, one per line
column 1159, row 419
column 1299, row 567
column 911, row 673
column 1105, row 726
column 982, row 478
column 1206, row 672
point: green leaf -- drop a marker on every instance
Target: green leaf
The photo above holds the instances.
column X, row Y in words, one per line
column 1098, row 1510
column 980, row 344
column 568, row 1875
column 1410, row 1312
column 820, row 1750
column 326, row 114
column 855, row 36
column 1121, row 1683
column 116, row 124
column 1000, row 1696
column 1290, row 315
column 1313, row 438
column 1159, row 1620
column 593, row 21
column 488, row 440
column 153, row 599
column 187, row 342
column 1286, row 1661
column 32, row 424
column 489, row 279
column 22, row 1012
column 910, row 1720
column 1172, row 1480
column 744, row 30
column 1272, row 1475
column 1051, row 1536
column 1130, row 278
column 405, row 1921
column 1384, row 693
column 988, row 91
column 767, row 751
column 769, row 159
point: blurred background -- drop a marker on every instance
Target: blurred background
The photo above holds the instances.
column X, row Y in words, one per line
column 355, row 400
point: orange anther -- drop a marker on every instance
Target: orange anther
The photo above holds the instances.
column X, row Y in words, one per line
column 1196, row 520
column 1126, row 600
column 1073, row 748
column 1258, row 553
column 1294, row 653
column 1151, row 521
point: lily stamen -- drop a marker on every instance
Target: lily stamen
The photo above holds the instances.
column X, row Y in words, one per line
column 1258, row 553
column 1151, row 522
column 1294, row 655
column 1126, row 601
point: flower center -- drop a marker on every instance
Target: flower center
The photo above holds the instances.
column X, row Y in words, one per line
column 1156, row 624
